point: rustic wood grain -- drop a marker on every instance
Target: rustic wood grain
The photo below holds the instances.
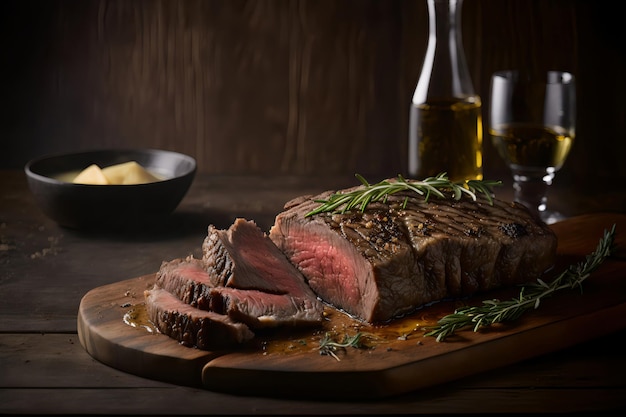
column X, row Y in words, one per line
column 285, row 86
column 394, row 367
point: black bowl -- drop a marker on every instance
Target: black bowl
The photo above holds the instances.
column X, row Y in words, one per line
column 82, row 206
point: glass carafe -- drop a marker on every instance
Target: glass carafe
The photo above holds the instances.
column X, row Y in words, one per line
column 445, row 132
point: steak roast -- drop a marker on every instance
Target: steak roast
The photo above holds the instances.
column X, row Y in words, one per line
column 394, row 257
column 376, row 265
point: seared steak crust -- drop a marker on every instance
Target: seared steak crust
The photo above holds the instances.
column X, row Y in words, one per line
column 400, row 255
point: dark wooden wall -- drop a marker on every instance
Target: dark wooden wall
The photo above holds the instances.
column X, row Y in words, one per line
column 284, row 86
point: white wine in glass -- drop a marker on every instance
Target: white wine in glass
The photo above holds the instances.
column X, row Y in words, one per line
column 532, row 125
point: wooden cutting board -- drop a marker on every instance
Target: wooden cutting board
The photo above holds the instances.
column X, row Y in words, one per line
column 398, row 359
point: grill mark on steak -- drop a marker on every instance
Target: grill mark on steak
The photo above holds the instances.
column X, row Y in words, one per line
column 193, row 327
column 391, row 259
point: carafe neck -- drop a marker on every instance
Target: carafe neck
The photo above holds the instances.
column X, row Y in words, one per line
column 444, row 74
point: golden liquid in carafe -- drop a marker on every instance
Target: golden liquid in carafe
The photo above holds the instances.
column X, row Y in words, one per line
column 532, row 146
column 446, row 136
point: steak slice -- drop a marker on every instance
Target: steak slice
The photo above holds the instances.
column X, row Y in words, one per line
column 264, row 310
column 193, row 327
column 246, row 258
column 186, row 279
column 190, row 282
column 397, row 256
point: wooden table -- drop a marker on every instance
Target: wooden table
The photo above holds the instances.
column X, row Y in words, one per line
column 45, row 270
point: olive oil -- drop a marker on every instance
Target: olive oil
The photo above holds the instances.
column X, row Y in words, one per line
column 446, row 136
column 532, row 146
column 445, row 130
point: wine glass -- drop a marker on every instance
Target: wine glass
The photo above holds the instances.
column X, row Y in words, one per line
column 532, row 125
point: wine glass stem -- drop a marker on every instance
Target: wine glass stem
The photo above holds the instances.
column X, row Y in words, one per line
column 531, row 189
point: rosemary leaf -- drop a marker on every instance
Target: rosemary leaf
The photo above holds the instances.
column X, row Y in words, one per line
column 328, row 346
column 432, row 186
column 530, row 295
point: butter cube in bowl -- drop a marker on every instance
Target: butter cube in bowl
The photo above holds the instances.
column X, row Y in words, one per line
column 110, row 188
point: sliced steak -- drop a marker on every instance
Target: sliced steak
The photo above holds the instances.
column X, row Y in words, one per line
column 193, row 327
column 186, row 279
column 402, row 254
column 246, row 258
column 264, row 310
column 190, row 282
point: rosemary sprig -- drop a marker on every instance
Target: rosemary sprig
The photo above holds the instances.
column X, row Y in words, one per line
column 437, row 185
column 530, row 295
column 328, row 346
